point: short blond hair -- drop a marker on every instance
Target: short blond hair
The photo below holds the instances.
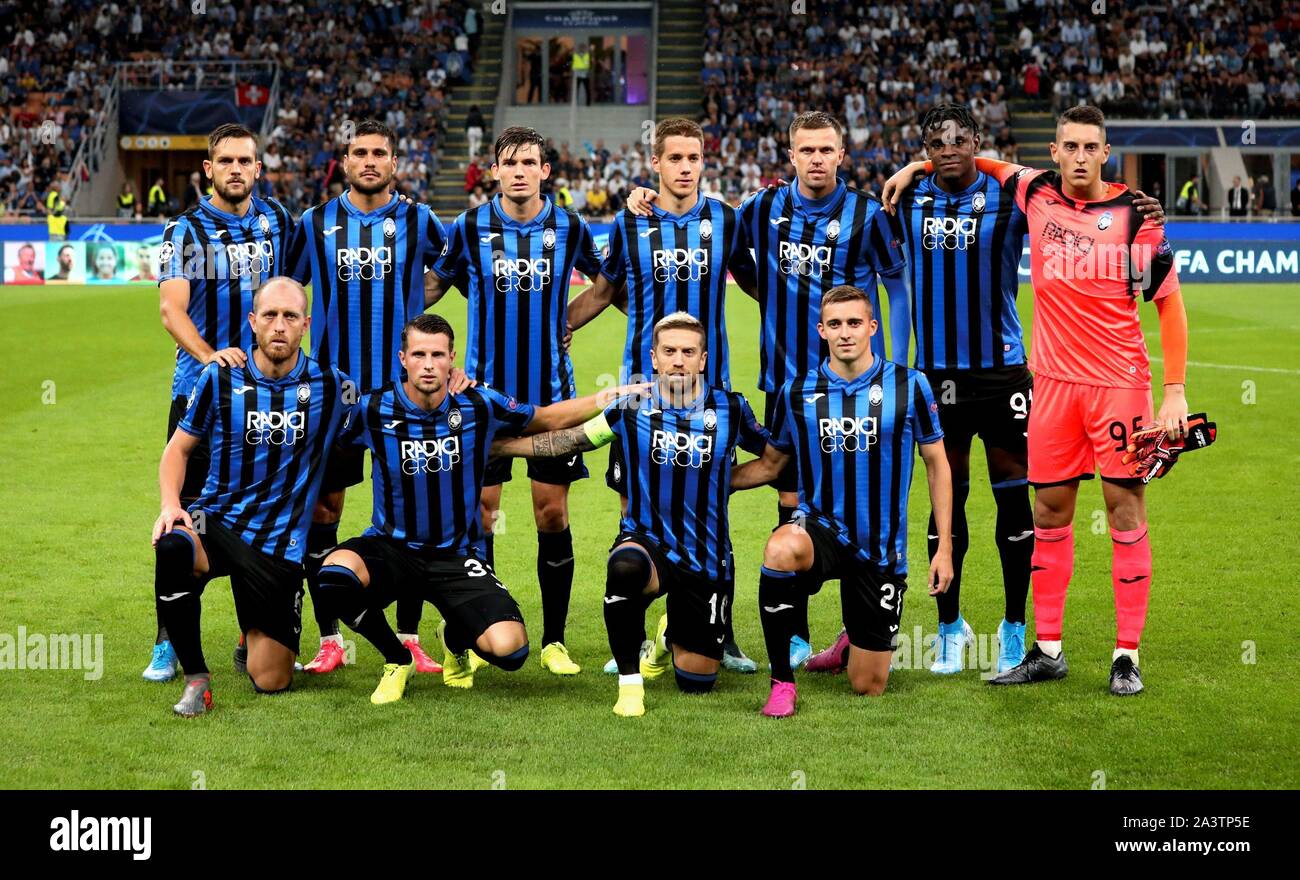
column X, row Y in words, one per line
column 680, row 321
column 813, row 119
column 846, row 293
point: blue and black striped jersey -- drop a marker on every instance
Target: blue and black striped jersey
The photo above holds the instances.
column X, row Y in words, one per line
column 427, row 467
column 802, row 249
column 853, row 444
column 679, row 473
column 225, row 258
column 518, row 280
column 677, row 263
column 268, row 439
column 366, row 271
column 963, row 254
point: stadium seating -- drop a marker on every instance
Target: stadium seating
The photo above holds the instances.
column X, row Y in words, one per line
column 877, row 66
column 394, row 61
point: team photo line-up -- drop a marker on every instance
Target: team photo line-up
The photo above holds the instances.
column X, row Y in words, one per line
column 263, row 440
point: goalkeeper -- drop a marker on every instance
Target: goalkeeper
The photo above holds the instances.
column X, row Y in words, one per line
column 1092, row 256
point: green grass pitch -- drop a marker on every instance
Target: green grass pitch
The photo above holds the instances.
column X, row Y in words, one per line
column 84, row 387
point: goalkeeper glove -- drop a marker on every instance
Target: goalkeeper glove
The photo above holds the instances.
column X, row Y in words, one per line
column 1152, row 453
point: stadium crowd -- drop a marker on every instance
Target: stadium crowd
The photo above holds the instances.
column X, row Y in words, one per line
column 395, row 61
column 876, row 66
column 878, row 71
column 1171, row 60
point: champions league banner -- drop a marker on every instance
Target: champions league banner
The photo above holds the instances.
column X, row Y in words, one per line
column 123, row 253
column 1227, row 253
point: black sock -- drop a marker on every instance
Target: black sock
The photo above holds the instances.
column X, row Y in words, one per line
column 321, row 538
column 728, row 629
column 626, row 576
column 776, row 591
column 785, row 513
column 178, row 597
column 950, row 602
column 555, row 577
column 161, row 635
column 490, row 552
column 1014, row 534
column 344, row 597
column 409, row 611
column 801, row 627
column 458, row 640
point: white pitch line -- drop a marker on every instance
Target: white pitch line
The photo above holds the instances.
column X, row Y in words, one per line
column 1242, row 367
column 1249, row 329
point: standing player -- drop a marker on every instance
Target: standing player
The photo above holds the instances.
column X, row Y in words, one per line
column 211, row 260
column 674, row 260
column 429, row 453
column 674, row 539
column 850, row 427
column 518, row 251
column 268, row 421
column 809, row 236
column 1092, row 254
column 965, row 237
column 364, row 253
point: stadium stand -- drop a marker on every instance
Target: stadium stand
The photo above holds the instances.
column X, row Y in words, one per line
column 877, row 66
column 395, row 61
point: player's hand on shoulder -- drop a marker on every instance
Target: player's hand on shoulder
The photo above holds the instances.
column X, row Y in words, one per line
column 635, row 392
column 777, row 184
column 901, row 180
column 1148, row 207
column 459, row 380
column 228, row 357
column 171, row 514
column 641, row 200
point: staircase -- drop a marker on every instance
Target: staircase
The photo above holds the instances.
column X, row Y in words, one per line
column 1033, row 124
column 448, row 198
column 679, row 59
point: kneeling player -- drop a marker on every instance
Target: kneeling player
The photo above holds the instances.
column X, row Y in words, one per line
column 850, row 428
column 429, row 450
column 268, row 424
column 673, row 539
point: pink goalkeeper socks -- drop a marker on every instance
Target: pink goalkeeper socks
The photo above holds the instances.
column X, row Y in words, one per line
column 1053, row 563
column 1131, row 574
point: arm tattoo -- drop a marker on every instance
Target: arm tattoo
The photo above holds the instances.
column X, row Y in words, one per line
column 553, row 444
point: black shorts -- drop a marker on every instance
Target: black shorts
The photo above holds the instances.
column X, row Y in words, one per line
column 788, row 479
column 697, row 605
column 462, row 587
column 267, row 589
column 560, row 471
column 993, row 404
column 871, row 600
column 343, row 468
column 196, row 468
column 616, row 473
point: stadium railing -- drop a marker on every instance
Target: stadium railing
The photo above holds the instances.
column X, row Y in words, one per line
column 89, row 156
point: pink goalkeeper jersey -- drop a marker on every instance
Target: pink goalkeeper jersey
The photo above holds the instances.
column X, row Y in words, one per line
column 1089, row 261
